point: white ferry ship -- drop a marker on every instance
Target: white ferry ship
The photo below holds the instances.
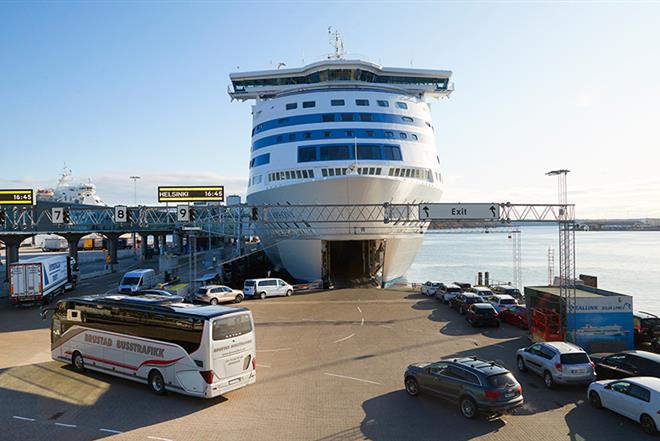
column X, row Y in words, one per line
column 67, row 192
column 343, row 131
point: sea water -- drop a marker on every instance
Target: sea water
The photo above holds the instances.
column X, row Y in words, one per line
column 627, row 262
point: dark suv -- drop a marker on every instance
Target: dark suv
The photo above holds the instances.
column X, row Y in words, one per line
column 626, row 364
column 476, row 385
column 645, row 325
column 463, row 301
column 482, row 314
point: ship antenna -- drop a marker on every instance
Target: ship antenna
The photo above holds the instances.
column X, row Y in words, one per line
column 337, row 43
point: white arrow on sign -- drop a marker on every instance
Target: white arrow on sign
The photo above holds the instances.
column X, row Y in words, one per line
column 121, row 214
column 458, row 211
column 182, row 213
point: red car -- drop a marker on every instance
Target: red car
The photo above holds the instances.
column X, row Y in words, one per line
column 516, row 316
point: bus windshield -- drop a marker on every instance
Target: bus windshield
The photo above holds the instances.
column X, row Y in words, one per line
column 232, row 326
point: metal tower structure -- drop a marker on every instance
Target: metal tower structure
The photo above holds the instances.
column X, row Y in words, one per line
column 551, row 265
column 517, row 258
column 567, row 289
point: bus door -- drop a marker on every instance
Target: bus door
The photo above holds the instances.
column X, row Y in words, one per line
column 233, row 346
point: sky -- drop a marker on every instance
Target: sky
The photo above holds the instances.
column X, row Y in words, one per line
column 120, row 88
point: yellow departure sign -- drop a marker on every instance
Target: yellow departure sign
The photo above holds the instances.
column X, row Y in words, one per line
column 191, row 194
column 16, row 197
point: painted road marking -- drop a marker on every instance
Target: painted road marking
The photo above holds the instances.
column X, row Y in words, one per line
column 23, row 418
column 350, row 378
column 344, row 339
column 362, row 322
column 274, row 350
column 359, row 309
column 110, row 431
column 66, row 425
column 263, row 365
column 159, row 438
column 386, row 326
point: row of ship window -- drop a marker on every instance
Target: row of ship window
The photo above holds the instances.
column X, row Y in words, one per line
column 341, row 102
column 378, row 152
column 339, row 117
column 329, row 134
column 403, row 172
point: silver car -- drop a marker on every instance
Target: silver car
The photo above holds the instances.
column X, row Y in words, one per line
column 215, row 294
column 557, row 362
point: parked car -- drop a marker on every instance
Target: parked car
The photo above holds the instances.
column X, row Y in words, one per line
column 557, row 362
column 501, row 301
column 463, row 285
column 482, row 314
column 449, row 292
column 516, row 316
column 476, row 385
column 644, row 325
column 626, row 364
column 263, row 288
column 463, row 301
column 508, row 290
column 430, row 288
column 215, row 294
column 481, row 291
column 637, row 398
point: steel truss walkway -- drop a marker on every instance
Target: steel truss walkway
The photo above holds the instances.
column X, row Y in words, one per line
column 283, row 221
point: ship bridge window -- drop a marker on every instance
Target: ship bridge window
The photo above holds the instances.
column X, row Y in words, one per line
column 337, row 103
column 383, row 103
column 369, row 152
column 347, row 117
column 401, row 105
column 349, row 133
column 361, row 102
column 291, row 106
column 413, row 136
column 407, row 119
column 308, row 104
column 334, row 153
column 292, row 136
column 366, row 117
column 327, row 134
column 260, row 160
column 391, row 153
column 402, row 135
column 328, row 117
column 306, row 154
column 308, row 135
column 370, row 133
column 389, row 134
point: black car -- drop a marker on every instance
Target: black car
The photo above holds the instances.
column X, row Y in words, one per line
column 476, row 385
column 626, row 364
column 463, row 301
column 645, row 326
column 482, row 314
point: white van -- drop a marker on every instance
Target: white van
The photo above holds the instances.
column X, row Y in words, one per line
column 137, row 280
column 263, row 288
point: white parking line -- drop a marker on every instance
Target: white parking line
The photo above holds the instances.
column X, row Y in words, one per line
column 386, row 326
column 359, row 309
column 263, row 365
column 362, row 322
column 110, row 431
column 274, row 350
column 23, row 418
column 344, row 339
column 159, row 438
column 66, row 425
column 350, row 378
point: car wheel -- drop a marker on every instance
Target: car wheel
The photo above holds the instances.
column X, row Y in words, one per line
column 238, row 299
column 548, row 380
column 594, row 399
column 648, row 425
column 262, row 295
column 77, row 362
column 521, row 364
column 214, row 301
column 411, row 386
column 156, row 382
column 468, row 408
column 289, row 292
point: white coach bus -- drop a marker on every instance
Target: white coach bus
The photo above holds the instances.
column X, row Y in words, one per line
column 203, row 351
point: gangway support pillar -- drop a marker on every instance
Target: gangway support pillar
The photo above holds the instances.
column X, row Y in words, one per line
column 156, row 244
column 72, row 240
column 143, row 246
column 178, row 243
column 163, row 243
column 12, row 244
column 113, row 238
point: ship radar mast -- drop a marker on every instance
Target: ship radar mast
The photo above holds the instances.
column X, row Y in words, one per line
column 337, row 43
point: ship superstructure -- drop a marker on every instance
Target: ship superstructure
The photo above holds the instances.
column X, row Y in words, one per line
column 343, row 132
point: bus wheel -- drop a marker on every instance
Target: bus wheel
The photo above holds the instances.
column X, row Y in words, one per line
column 77, row 362
column 156, row 382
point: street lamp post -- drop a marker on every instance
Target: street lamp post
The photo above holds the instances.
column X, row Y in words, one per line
column 135, row 179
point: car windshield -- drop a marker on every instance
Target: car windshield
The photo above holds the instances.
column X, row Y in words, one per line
column 130, row 280
column 484, row 310
column 435, row 285
column 471, row 299
column 249, row 283
column 201, row 290
column 651, row 322
column 502, row 380
column 454, row 290
column 507, row 302
column 574, row 358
